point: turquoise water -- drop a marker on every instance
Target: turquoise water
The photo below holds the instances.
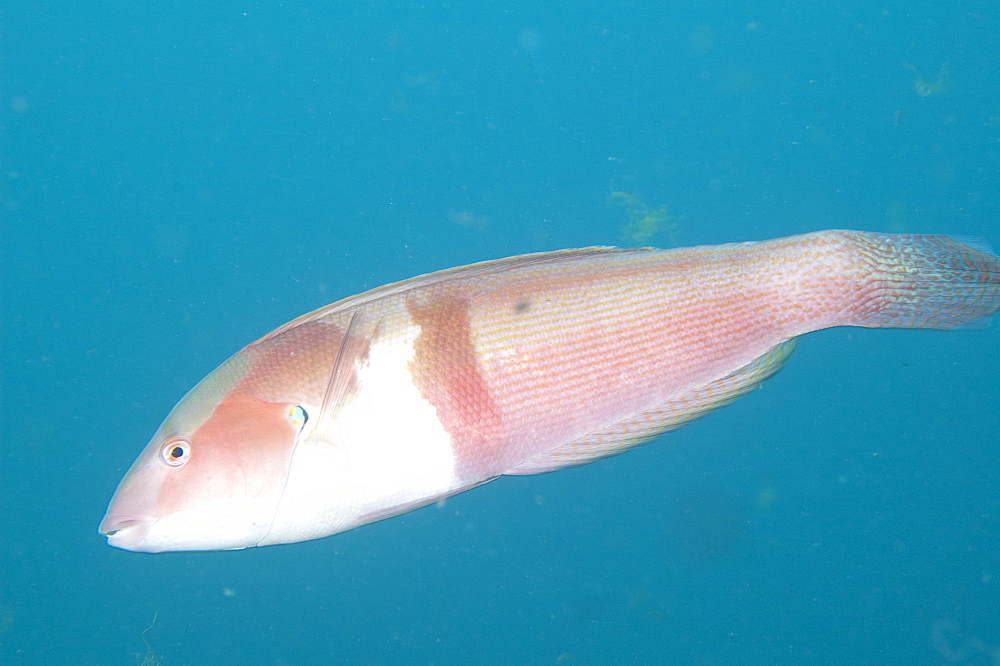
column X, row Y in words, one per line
column 176, row 181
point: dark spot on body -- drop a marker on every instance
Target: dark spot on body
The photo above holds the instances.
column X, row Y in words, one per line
column 522, row 306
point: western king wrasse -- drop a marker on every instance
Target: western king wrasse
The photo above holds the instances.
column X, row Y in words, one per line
column 398, row 397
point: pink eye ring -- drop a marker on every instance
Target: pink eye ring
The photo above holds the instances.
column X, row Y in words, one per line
column 175, row 451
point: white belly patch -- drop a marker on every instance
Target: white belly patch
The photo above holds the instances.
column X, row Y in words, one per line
column 387, row 448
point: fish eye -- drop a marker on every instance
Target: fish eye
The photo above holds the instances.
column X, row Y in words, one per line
column 298, row 416
column 175, row 451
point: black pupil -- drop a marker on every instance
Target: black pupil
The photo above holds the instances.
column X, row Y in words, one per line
column 177, row 452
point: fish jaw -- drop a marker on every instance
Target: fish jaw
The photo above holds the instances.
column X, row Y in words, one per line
column 157, row 535
column 143, row 517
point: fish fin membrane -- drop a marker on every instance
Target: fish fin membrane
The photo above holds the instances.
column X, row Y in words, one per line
column 647, row 425
column 343, row 386
column 925, row 281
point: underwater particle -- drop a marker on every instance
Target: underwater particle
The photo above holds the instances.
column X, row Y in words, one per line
column 228, row 592
column 926, row 88
column 400, row 103
column 466, row 218
column 957, row 645
column 895, row 211
column 701, row 40
column 644, row 222
column 765, row 498
column 530, row 40
column 426, row 80
column 641, row 600
column 707, row 524
column 639, row 597
column 6, row 619
column 150, row 658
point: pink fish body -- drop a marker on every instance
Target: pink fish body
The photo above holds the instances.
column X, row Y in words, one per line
column 395, row 398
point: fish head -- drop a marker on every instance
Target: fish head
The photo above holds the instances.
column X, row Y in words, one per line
column 212, row 476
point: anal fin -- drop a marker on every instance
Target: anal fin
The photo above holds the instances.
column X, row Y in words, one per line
column 642, row 427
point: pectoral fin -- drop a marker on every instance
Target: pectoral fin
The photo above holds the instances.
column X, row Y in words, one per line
column 344, row 385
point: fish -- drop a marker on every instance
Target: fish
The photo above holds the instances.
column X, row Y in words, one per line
column 396, row 398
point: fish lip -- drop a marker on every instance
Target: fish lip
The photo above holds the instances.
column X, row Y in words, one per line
column 128, row 532
column 118, row 526
column 114, row 523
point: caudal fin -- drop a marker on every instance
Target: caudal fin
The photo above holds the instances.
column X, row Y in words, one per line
column 917, row 281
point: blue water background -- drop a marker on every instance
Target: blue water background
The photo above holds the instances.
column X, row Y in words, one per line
column 180, row 178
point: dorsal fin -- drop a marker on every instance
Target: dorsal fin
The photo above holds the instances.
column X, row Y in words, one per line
column 644, row 426
column 471, row 270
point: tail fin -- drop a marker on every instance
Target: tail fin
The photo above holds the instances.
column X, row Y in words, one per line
column 916, row 281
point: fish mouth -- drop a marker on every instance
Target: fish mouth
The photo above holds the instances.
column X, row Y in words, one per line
column 127, row 532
